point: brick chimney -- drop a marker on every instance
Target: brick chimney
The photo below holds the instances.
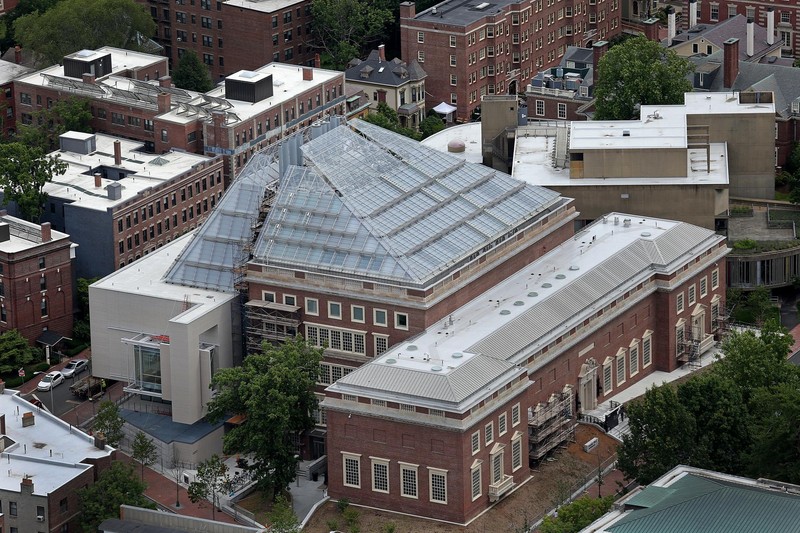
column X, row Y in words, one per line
column 730, row 62
column 651, row 29
column 18, row 54
column 99, row 440
column 164, row 102
column 317, row 61
column 408, row 10
column 117, row 153
column 382, row 52
column 88, row 78
column 46, row 232
column 3, row 422
column 98, row 180
column 599, row 49
column 165, row 81
column 26, row 486
column 308, row 73
column 28, row 419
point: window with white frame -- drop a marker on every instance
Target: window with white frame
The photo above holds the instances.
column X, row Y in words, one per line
column 421, row 56
column 679, row 303
column 452, row 60
column 562, row 111
column 437, row 412
column 357, row 313
column 516, row 452
column 621, row 366
column 329, row 373
column 312, row 306
column 336, row 339
column 786, row 17
column 381, row 344
column 453, row 79
column 647, row 348
column 289, row 299
column 420, row 37
column 453, row 98
column 268, row 296
column 539, row 108
column 452, row 41
column 633, row 358
column 488, row 433
column 751, row 12
column 703, row 286
column 607, row 376
column 476, row 442
column 515, row 415
column 351, row 465
column 334, row 310
column 497, row 466
column 408, row 480
column 731, row 11
column 714, row 12
column 679, row 338
column 379, row 317
column 407, row 407
column 692, row 294
column 475, row 479
column 714, row 279
column 380, row 475
column 401, row 320
column 502, row 424
column 437, row 480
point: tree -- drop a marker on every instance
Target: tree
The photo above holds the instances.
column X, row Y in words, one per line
column 775, row 425
column 345, row 29
column 282, row 518
column 430, row 125
column 15, row 352
column 81, row 329
column 70, row 114
column 143, row 450
column 212, row 478
column 24, row 170
column 73, row 25
column 25, row 7
column 662, row 435
column 387, row 118
column 274, row 389
column 192, row 74
column 116, row 486
column 176, row 468
column 109, row 422
column 577, row 515
column 639, row 72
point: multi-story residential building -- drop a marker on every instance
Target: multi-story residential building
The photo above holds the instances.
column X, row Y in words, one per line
column 249, row 111
column 119, row 203
column 35, row 280
column 565, row 92
column 48, row 461
column 233, row 35
column 785, row 15
column 497, row 48
column 8, row 73
column 395, row 83
column 707, row 39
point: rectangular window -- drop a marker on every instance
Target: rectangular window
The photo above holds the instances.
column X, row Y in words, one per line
column 620, row 367
column 420, row 37
column 380, row 475
column 381, row 344
column 562, row 111
column 703, row 287
column 312, row 306
column 476, row 442
column 118, row 118
column 607, row 377
column 408, row 480
column 379, row 317
column 475, row 476
column 714, row 279
column 452, row 41
column 438, row 485
column 44, row 307
column 452, row 60
column 421, row 56
column 692, row 294
column 357, row 313
column 714, row 12
column 515, row 415
column 497, row 467
column 502, row 424
column 731, row 11
column 12, row 508
column 288, row 299
column 453, row 80
column 488, row 433
column 679, row 303
column 516, row 453
column 401, row 320
column 539, row 108
column 633, row 359
column 647, row 350
column 334, row 310
column 352, row 470
column 679, row 339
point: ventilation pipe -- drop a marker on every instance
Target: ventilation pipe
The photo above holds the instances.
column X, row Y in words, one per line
column 770, row 26
column 670, row 26
column 750, row 37
column 692, row 13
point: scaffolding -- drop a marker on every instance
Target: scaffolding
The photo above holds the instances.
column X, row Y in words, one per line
column 269, row 322
column 550, row 425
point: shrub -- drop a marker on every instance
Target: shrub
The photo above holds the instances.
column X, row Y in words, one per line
column 343, row 504
column 745, row 244
column 333, row 525
column 41, row 367
column 389, row 527
column 351, row 516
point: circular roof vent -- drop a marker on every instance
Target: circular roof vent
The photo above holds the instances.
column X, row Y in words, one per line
column 391, row 361
column 519, row 302
column 574, row 267
column 412, row 348
column 561, row 276
column 547, row 285
column 456, row 146
column 457, row 355
column 505, row 312
column 436, row 368
column 533, row 294
column 645, row 234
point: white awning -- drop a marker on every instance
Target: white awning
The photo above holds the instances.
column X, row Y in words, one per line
column 444, row 108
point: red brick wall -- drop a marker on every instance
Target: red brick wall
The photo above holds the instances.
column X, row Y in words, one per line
column 56, row 518
column 551, row 107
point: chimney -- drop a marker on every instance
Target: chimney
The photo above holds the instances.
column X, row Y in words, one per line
column 26, row 486
column 382, row 52
column 317, row 61
column 88, row 78
column 750, row 30
column 730, row 62
column 770, row 26
column 308, row 73
column 670, row 25
column 18, row 54
column 117, row 153
column 165, row 81
column 692, row 13
column 599, row 49
column 99, row 440
column 97, row 180
column 28, row 419
column 408, row 10
column 46, row 236
column 3, row 422
column 164, row 102
column 651, row 29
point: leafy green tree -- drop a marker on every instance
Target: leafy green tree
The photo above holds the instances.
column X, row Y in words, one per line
column 430, row 125
column 143, row 450
column 109, row 422
column 386, row 117
column 639, row 72
column 81, row 328
column 274, row 389
column 577, row 515
column 282, row 518
column 15, row 352
column 71, row 114
column 117, row 485
column 793, row 161
column 192, row 74
column 662, row 435
column 73, row 25
column 345, row 29
column 775, row 425
column 212, row 479
column 24, row 170
column 24, row 7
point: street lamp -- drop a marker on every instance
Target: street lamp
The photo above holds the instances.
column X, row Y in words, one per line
column 297, row 469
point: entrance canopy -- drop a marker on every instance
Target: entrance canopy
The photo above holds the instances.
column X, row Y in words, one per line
column 444, row 108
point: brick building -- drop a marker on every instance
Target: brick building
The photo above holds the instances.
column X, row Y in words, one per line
column 233, row 35
column 497, row 48
column 119, row 203
column 250, row 110
column 48, row 462
column 35, row 279
column 786, row 16
column 565, row 92
column 8, row 73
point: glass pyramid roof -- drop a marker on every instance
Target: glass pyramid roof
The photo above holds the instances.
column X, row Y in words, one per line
column 374, row 203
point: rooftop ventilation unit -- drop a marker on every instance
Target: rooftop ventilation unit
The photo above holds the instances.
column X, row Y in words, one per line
column 87, row 62
column 482, row 5
column 248, row 86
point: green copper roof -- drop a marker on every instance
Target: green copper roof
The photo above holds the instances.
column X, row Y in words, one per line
column 695, row 504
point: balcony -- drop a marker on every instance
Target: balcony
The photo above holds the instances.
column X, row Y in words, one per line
column 496, row 490
column 707, row 343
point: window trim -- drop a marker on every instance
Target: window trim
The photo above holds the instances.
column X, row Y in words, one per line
column 515, row 409
column 488, row 433
column 476, row 467
column 353, row 315
column 316, row 304
column 384, row 462
column 411, row 468
column 357, row 458
column 264, row 295
column 502, row 429
column 475, row 440
column 385, row 323
column 436, row 472
column 647, row 337
column 516, row 440
column 330, row 313
column 396, row 323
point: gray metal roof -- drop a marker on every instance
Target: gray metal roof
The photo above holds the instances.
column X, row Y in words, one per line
column 463, row 12
column 373, row 203
column 220, row 245
column 734, row 27
column 393, row 73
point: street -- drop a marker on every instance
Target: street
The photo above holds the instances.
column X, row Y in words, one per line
column 60, row 399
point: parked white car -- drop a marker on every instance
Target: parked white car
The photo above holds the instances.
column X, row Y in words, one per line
column 50, row 380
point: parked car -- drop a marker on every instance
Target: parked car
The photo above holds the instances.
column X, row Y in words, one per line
column 50, row 380
column 75, row 367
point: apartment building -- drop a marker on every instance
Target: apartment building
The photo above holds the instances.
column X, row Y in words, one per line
column 233, row 35
column 8, row 73
column 119, row 202
column 497, row 48
column 35, row 279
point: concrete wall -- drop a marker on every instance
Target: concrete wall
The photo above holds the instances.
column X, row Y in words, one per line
column 644, row 163
column 91, row 230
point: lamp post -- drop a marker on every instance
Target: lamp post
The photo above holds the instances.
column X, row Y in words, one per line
column 297, row 469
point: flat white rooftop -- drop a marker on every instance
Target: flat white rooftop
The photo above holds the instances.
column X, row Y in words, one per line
column 469, row 134
column 25, row 235
column 142, row 171
column 267, row 6
column 10, row 71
